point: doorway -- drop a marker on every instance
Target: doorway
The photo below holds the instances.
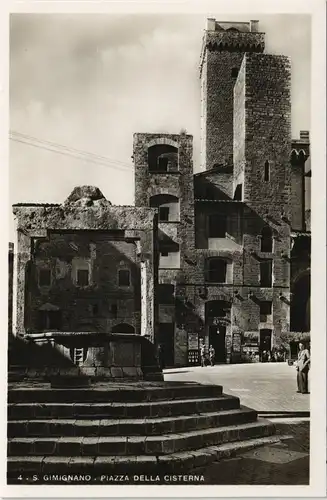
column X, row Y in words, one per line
column 166, row 339
column 265, row 341
column 217, row 335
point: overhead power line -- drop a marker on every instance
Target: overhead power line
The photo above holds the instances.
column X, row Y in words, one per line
column 71, row 152
column 68, row 148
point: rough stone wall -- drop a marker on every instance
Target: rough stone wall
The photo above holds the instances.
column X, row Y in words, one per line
column 268, row 132
column 297, row 196
column 223, row 52
column 263, row 120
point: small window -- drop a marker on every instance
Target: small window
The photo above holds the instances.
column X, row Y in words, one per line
column 234, row 72
column 163, row 213
column 217, row 226
column 95, row 309
column 82, row 277
column 44, row 277
column 164, row 253
column 265, row 307
column 267, row 171
column 124, row 277
column 265, row 310
column 266, row 239
column 266, row 273
column 216, row 271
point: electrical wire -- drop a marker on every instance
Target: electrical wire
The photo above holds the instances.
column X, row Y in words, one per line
column 75, row 156
column 70, row 149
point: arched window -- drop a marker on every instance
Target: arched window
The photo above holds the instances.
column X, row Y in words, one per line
column 266, row 239
column 168, row 206
column 123, row 328
column 267, row 171
column 163, row 158
column 216, row 270
column 217, row 309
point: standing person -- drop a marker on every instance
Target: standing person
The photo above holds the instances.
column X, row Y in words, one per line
column 212, row 353
column 302, row 367
column 203, row 353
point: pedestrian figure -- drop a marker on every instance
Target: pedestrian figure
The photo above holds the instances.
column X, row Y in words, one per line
column 203, row 354
column 212, row 353
column 302, row 367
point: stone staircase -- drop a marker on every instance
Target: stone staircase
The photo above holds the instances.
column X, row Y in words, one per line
column 126, row 428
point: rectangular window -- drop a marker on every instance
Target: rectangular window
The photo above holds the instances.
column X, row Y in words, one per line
column 266, row 273
column 82, row 277
column 124, row 277
column 265, row 310
column 217, row 226
column 217, row 271
column 163, row 214
column 44, row 277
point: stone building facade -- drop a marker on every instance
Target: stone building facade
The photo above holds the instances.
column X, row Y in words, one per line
column 234, row 265
column 85, row 266
column 220, row 256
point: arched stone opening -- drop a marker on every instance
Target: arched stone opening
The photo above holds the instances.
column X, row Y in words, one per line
column 217, row 320
column 168, row 206
column 123, row 328
column 163, row 158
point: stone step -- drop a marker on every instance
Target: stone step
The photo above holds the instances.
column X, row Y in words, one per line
column 177, row 463
column 138, row 445
column 122, row 410
column 128, row 427
column 105, row 392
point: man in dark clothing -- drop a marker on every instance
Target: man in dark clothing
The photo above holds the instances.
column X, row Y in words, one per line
column 302, row 367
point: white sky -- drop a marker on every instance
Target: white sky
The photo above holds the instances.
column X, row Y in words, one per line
column 90, row 81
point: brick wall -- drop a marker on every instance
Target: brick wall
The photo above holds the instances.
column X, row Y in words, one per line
column 223, row 53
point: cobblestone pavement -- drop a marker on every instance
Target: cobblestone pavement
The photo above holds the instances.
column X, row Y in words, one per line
column 267, row 388
column 286, row 463
column 262, row 386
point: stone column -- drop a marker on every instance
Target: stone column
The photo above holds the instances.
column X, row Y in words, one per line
column 22, row 258
column 147, row 286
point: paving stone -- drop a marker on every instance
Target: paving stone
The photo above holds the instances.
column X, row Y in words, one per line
column 112, row 445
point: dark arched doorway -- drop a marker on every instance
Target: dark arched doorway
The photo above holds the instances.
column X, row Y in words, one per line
column 123, row 328
column 217, row 318
column 300, row 305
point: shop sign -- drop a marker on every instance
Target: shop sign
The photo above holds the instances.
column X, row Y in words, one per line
column 193, row 341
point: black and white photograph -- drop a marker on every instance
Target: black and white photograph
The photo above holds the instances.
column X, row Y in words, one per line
column 159, row 249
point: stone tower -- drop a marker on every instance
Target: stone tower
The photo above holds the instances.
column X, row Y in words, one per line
column 164, row 180
column 224, row 45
